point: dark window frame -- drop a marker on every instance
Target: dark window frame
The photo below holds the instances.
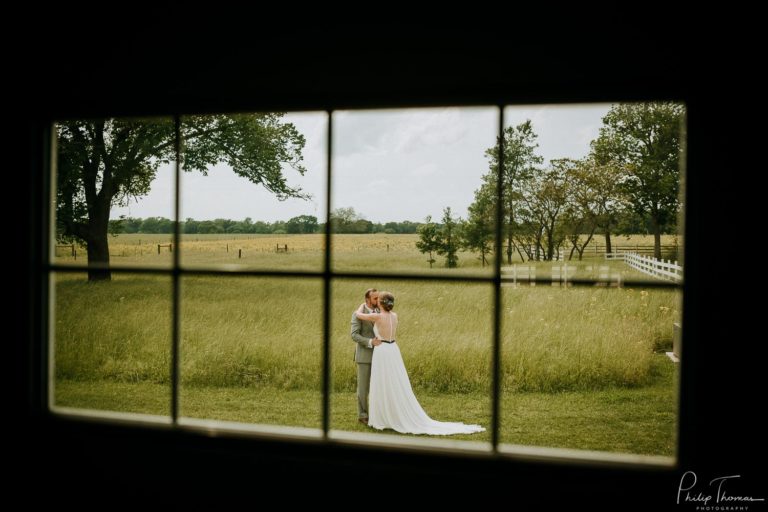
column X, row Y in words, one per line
column 176, row 272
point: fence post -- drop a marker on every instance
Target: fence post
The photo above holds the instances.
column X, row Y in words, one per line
column 239, row 253
column 227, row 247
column 158, row 248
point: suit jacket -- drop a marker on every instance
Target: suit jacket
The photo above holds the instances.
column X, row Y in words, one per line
column 362, row 332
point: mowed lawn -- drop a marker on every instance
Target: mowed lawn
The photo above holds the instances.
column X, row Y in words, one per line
column 625, row 420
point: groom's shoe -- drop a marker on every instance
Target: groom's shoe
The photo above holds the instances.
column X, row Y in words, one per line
column 364, row 421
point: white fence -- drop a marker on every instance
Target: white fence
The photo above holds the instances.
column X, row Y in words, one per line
column 663, row 269
column 527, row 274
column 519, row 273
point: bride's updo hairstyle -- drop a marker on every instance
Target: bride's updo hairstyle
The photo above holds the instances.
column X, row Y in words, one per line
column 386, row 301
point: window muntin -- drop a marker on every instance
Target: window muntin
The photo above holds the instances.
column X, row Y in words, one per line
column 329, row 273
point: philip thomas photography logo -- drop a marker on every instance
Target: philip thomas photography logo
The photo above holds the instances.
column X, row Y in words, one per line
column 718, row 495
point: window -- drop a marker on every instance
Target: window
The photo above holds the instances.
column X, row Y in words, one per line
column 565, row 348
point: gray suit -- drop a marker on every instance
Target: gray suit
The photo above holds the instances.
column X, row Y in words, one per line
column 362, row 334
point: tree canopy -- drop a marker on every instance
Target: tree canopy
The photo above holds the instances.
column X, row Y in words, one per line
column 644, row 140
column 107, row 162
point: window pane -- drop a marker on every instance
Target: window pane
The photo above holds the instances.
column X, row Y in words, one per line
column 597, row 183
column 111, row 343
column 251, row 350
column 253, row 190
column 394, row 168
column 587, row 368
column 114, row 192
column 444, row 335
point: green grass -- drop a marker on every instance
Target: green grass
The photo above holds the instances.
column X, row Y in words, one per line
column 580, row 366
column 615, row 419
column 242, row 331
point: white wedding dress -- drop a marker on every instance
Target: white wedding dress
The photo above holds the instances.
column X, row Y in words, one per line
column 391, row 402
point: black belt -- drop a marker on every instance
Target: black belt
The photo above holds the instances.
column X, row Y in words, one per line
column 387, row 341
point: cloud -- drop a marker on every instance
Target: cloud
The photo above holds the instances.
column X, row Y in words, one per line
column 400, row 131
column 424, row 129
column 425, row 170
column 416, row 161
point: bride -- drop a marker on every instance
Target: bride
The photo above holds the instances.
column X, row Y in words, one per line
column 391, row 402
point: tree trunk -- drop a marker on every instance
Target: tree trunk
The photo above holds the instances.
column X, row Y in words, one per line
column 550, row 242
column 98, row 246
column 585, row 244
column 607, row 242
column 510, row 233
column 516, row 247
column 656, row 237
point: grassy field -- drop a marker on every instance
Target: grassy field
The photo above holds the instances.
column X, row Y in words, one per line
column 581, row 366
column 381, row 252
column 244, row 331
column 616, row 419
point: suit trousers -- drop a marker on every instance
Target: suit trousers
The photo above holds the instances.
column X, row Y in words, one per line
column 363, row 385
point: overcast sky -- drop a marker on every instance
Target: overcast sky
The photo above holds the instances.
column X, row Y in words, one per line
column 389, row 165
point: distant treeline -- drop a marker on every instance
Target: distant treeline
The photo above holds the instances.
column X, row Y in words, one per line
column 344, row 221
column 303, row 224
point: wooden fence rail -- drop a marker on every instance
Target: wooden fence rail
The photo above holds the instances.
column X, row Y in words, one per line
column 598, row 249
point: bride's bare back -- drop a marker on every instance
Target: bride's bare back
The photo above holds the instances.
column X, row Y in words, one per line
column 386, row 325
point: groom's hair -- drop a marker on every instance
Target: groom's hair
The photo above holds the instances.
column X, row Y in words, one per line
column 369, row 291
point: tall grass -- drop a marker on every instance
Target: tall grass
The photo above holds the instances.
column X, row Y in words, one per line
column 556, row 340
column 239, row 331
column 118, row 330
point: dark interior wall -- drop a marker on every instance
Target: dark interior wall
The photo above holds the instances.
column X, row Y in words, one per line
column 133, row 74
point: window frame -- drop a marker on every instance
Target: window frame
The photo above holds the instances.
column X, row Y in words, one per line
column 496, row 450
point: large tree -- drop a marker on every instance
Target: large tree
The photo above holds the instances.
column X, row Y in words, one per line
column 520, row 161
column 104, row 163
column 302, row 224
column 582, row 210
column 644, row 139
column 551, row 198
column 449, row 239
column 347, row 220
column 602, row 194
column 478, row 231
column 429, row 239
column 595, row 201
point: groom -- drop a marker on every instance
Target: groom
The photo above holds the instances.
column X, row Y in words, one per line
column 362, row 334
